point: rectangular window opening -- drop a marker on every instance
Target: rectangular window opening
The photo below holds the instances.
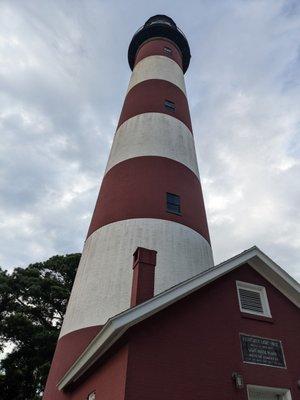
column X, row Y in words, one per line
column 170, row 105
column 168, row 50
column 173, row 203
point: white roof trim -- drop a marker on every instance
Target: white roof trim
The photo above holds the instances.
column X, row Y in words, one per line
column 119, row 324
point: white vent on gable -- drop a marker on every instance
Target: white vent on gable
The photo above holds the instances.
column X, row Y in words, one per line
column 253, row 299
column 250, row 300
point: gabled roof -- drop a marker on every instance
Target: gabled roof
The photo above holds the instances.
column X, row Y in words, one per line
column 119, row 324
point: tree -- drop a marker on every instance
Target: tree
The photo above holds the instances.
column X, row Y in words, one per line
column 32, row 305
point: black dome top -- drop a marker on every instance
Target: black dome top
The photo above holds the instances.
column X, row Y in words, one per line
column 159, row 18
column 160, row 26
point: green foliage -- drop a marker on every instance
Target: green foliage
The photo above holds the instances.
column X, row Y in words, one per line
column 32, row 304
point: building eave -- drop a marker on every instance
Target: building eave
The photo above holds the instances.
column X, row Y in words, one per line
column 119, row 324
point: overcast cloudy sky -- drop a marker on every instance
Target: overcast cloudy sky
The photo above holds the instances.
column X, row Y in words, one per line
column 63, row 76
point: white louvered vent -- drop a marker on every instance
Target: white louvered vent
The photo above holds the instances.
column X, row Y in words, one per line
column 253, row 299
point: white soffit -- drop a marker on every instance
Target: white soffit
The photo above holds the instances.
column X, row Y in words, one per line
column 119, row 324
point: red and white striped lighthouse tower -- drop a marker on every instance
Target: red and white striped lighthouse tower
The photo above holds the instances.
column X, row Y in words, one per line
column 150, row 195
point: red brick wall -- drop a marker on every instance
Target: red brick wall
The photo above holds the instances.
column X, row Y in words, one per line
column 190, row 350
column 108, row 380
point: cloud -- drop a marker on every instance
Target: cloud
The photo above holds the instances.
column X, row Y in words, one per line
column 248, row 124
column 63, row 76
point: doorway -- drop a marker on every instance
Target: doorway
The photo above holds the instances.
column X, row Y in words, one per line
column 267, row 393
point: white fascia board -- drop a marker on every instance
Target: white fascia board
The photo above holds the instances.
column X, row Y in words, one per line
column 119, row 324
column 279, row 278
column 278, row 270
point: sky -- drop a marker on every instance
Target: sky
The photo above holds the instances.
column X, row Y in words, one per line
column 63, row 78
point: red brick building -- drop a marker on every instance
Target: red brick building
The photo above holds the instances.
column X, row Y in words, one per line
column 174, row 326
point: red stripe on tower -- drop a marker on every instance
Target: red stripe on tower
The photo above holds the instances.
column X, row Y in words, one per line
column 157, row 96
column 150, row 196
column 142, row 184
column 159, row 47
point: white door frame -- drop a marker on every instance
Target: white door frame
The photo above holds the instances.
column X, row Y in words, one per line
column 286, row 393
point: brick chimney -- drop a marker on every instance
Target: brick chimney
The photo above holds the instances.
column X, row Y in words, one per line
column 144, row 262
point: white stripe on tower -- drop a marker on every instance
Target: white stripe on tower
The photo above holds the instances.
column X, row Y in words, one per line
column 154, row 134
column 107, row 254
column 157, row 67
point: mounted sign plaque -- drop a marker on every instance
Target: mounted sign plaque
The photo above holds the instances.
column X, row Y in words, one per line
column 257, row 350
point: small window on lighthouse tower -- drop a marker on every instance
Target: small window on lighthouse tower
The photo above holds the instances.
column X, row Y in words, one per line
column 167, row 50
column 170, row 105
column 173, row 203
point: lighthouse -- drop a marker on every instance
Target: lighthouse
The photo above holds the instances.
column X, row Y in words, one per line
column 150, row 196
column 148, row 248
